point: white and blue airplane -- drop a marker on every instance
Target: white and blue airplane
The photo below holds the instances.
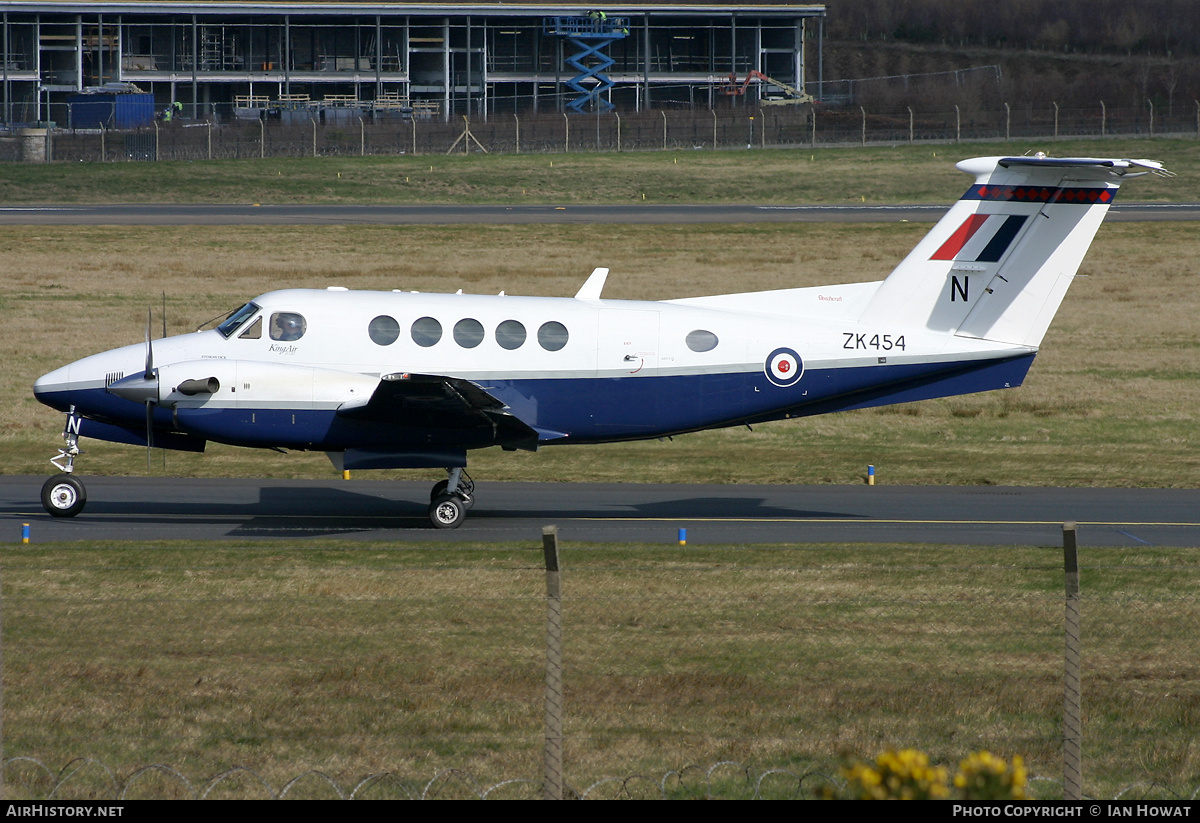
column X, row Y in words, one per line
column 400, row 380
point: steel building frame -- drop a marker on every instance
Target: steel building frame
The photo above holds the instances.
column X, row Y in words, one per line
column 431, row 58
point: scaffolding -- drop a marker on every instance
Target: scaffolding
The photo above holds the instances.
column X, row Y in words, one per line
column 590, row 36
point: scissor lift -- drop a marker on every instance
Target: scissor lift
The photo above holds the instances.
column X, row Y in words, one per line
column 590, row 36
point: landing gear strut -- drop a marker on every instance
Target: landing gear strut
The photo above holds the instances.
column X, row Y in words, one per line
column 63, row 495
column 450, row 499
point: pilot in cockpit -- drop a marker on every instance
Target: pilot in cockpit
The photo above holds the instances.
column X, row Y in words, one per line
column 287, row 326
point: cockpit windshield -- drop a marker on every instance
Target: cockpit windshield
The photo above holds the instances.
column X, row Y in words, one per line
column 237, row 318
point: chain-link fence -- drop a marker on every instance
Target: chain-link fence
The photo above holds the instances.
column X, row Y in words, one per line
column 378, row 667
column 328, row 132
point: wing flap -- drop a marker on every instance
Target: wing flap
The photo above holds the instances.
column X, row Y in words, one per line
column 443, row 403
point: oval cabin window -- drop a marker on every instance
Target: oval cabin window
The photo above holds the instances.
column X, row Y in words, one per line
column 552, row 336
column 384, row 330
column 510, row 335
column 701, row 340
column 468, row 333
column 426, row 332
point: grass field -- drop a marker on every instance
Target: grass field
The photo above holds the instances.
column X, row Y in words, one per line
column 895, row 174
column 360, row 659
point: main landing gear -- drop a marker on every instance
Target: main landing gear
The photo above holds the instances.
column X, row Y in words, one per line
column 63, row 495
column 451, row 499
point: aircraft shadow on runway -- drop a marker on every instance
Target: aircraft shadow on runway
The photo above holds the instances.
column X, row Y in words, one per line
column 281, row 510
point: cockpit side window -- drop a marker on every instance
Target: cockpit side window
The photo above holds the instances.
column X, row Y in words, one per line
column 236, row 318
column 287, row 326
column 253, row 331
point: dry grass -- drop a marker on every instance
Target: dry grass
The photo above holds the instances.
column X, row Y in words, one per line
column 369, row 659
column 1110, row 400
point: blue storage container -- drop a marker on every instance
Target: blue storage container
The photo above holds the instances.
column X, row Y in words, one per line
column 112, row 111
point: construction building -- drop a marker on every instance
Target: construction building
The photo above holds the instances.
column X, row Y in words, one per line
column 243, row 59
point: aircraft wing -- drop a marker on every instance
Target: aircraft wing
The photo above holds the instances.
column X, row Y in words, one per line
column 442, row 403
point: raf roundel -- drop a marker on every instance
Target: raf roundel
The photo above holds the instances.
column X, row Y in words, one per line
column 784, row 367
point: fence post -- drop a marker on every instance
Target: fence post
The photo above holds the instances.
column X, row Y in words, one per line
column 762, row 131
column 314, row 122
column 262, row 139
column 1103, row 119
column 864, row 125
column 1150, row 103
column 102, row 152
column 517, row 126
column 910, row 125
column 714, row 114
column 567, row 135
column 157, row 156
column 552, row 782
column 957, row 124
column 208, row 130
column 1, row 703
column 1056, row 121
column 1007, row 122
column 664, row 116
column 812, row 110
column 362, row 138
column 1072, row 690
column 618, row 115
column 414, row 133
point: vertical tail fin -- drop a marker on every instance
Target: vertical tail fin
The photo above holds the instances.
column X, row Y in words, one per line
column 997, row 266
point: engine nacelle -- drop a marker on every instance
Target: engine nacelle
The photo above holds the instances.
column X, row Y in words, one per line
column 256, row 384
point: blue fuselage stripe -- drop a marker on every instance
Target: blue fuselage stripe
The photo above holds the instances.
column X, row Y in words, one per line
column 587, row 410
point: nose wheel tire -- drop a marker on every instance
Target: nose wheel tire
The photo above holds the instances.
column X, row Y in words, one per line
column 63, row 496
column 447, row 512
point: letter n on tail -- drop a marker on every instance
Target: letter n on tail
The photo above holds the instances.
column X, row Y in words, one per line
column 958, row 290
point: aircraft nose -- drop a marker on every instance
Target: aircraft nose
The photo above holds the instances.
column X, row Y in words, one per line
column 51, row 384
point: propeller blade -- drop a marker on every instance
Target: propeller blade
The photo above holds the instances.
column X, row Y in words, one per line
column 150, row 377
column 149, row 348
column 149, row 432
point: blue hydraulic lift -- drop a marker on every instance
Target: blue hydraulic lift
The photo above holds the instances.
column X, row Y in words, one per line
column 590, row 36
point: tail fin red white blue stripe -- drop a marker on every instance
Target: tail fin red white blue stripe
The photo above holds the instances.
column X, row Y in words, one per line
column 997, row 265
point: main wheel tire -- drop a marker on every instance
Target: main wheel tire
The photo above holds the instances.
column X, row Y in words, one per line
column 465, row 489
column 447, row 512
column 63, row 496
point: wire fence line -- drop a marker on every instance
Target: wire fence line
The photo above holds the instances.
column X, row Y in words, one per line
column 328, row 663
column 749, row 127
column 725, row 780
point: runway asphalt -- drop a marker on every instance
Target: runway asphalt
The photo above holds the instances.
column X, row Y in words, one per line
column 265, row 214
column 295, row 511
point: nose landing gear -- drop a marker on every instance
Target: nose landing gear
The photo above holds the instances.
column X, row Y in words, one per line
column 63, row 495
